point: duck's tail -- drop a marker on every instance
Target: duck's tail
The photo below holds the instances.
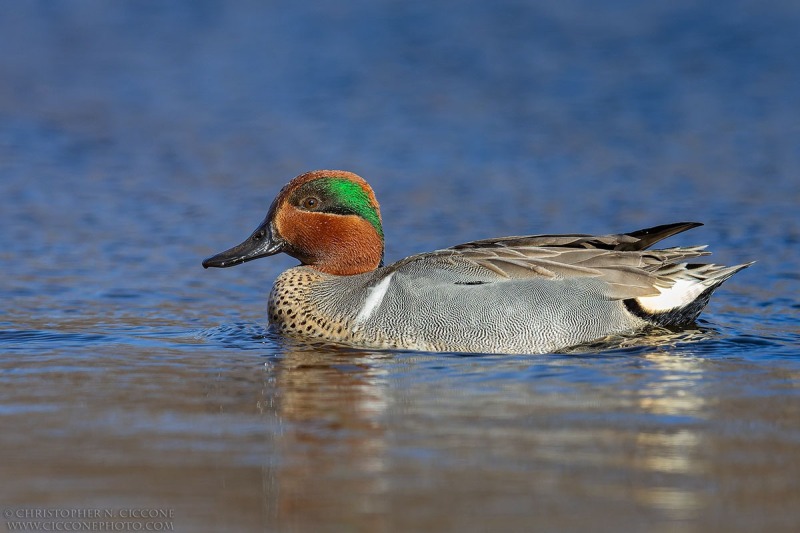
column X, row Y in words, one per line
column 684, row 292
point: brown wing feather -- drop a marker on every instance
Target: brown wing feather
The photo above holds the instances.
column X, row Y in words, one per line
column 621, row 261
column 629, row 274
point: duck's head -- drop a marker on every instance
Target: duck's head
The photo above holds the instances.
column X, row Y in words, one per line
column 328, row 219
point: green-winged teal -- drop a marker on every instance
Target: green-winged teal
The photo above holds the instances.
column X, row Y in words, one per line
column 530, row 294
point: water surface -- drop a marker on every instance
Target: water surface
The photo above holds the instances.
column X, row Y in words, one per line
column 138, row 138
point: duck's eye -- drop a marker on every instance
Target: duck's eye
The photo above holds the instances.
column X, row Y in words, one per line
column 310, row 203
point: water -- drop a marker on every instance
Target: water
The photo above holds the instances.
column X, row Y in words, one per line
column 137, row 138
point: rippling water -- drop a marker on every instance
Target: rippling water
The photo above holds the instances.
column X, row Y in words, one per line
column 137, row 138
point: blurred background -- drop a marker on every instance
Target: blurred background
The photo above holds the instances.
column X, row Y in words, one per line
column 137, row 138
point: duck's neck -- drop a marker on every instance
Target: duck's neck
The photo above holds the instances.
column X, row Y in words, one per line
column 350, row 246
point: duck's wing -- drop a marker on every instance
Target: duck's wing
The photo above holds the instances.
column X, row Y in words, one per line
column 620, row 261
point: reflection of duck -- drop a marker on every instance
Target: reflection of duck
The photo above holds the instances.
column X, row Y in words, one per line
column 512, row 294
column 331, row 445
column 672, row 452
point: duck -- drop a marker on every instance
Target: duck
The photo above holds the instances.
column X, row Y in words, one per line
column 529, row 294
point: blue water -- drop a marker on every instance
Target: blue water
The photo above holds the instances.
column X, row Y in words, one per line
column 137, row 138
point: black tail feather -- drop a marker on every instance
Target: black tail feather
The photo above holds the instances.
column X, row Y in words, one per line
column 649, row 236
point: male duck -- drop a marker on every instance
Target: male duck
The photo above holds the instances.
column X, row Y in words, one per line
column 531, row 294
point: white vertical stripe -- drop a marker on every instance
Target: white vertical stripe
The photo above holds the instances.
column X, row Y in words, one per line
column 374, row 299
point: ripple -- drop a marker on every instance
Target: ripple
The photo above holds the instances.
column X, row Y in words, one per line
column 245, row 335
column 645, row 341
column 749, row 341
column 29, row 338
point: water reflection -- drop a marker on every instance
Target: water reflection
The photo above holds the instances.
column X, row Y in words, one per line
column 332, row 443
column 672, row 454
column 335, row 460
column 675, row 392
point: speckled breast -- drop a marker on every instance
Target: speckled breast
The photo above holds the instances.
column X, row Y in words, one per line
column 292, row 310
